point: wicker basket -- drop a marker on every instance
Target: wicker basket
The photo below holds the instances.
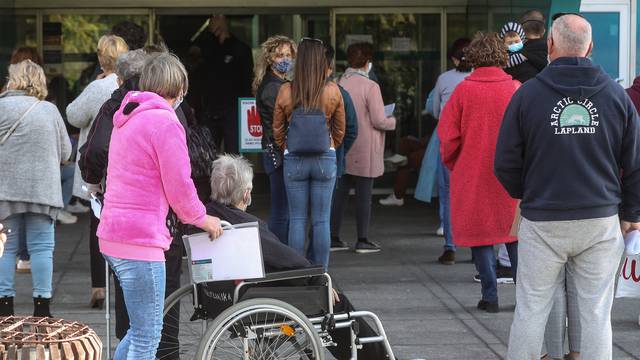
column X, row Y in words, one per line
column 35, row 338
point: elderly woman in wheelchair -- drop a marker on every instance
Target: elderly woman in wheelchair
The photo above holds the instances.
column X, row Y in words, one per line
column 292, row 313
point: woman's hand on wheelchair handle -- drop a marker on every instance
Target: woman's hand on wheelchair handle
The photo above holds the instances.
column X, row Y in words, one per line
column 212, row 226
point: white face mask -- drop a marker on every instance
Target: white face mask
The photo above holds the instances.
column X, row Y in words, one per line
column 177, row 103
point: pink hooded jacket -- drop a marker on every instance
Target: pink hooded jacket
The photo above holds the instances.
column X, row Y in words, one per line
column 148, row 171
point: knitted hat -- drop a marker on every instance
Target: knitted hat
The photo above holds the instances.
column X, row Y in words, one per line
column 515, row 27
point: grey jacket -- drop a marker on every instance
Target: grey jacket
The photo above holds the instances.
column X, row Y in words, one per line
column 30, row 158
column 81, row 113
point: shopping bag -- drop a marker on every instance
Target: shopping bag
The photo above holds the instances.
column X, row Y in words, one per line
column 629, row 280
column 236, row 255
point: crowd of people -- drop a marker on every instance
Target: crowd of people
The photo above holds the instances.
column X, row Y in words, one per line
column 553, row 116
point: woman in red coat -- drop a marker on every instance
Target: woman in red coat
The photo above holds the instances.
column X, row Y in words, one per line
column 481, row 210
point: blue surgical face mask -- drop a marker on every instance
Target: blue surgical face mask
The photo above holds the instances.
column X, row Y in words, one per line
column 514, row 48
column 283, row 66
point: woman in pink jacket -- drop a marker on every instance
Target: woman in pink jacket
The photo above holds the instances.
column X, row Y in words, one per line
column 365, row 158
column 148, row 172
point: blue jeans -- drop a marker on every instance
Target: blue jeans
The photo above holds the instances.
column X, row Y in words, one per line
column 37, row 230
column 445, row 208
column 143, row 285
column 310, row 179
column 279, row 213
column 67, row 173
column 485, row 260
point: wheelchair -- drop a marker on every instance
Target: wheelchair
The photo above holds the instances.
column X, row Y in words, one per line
column 287, row 315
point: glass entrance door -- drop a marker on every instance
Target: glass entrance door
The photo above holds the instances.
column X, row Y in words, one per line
column 611, row 36
column 407, row 57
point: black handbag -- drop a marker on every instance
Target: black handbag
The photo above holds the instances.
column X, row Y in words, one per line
column 202, row 151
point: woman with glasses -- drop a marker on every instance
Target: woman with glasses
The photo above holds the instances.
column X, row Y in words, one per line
column 309, row 123
column 274, row 63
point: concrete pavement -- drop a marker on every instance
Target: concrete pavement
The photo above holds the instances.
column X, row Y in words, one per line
column 428, row 309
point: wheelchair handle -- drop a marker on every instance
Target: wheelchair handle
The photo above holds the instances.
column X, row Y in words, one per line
column 226, row 225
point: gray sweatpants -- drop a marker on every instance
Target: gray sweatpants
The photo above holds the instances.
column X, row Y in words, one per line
column 591, row 250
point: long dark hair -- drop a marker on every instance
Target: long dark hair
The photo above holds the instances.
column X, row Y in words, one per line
column 309, row 76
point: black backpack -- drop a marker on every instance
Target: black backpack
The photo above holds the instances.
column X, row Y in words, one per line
column 308, row 133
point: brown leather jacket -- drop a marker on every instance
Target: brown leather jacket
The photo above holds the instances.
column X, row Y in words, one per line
column 332, row 105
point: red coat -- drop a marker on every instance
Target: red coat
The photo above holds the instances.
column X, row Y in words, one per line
column 481, row 210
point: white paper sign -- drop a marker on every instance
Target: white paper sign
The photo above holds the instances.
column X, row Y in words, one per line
column 401, row 44
column 388, row 109
column 250, row 126
column 358, row 38
column 236, row 255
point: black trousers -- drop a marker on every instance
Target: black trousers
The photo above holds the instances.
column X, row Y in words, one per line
column 96, row 261
column 223, row 125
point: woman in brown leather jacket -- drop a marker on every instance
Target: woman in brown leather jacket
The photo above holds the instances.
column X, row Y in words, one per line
column 309, row 177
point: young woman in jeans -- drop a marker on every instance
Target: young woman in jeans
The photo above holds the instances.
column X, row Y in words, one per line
column 275, row 61
column 309, row 179
column 148, row 171
column 34, row 142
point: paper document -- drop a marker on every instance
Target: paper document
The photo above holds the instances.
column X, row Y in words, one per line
column 388, row 109
column 96, row 206
column 632, row 243
column 236, row 255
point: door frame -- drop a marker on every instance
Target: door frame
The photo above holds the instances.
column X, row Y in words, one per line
column 626, row 62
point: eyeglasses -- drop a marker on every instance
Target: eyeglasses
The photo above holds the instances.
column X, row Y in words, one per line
column 556, row 16
column 311, row 39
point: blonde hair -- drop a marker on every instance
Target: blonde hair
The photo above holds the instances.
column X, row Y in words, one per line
column 28, row 77
column 267, row 50
column 110, row 47
column 164, row 74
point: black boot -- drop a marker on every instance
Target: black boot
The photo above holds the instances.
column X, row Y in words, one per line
column 6, row 306
column 41, row 307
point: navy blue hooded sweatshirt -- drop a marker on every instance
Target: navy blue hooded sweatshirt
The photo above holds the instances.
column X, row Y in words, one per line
column 569, row 145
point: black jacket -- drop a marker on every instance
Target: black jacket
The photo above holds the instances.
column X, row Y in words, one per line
column 94, row 154
column 265, row 103
column 536, row 53
column 569, row 145
column 277, row 256
column 227, row 72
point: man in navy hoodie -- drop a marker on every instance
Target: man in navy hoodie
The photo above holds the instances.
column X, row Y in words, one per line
column 569, row 147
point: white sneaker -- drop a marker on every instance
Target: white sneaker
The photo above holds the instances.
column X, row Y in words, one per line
column 397, row 159
column 77, row 208
column 66, row 218
column 391, row 200
column 23, row 266
column 440, row 231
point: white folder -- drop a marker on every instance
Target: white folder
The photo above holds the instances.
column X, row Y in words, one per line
column 236, row 255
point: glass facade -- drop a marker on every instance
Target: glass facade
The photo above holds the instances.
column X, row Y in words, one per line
column 16, row 30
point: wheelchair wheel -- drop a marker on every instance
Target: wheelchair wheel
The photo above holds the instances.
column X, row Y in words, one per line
column 181, row 331
column 261, row 329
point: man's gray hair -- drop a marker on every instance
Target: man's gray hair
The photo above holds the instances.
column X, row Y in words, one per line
column 571, row 34
column 164, row 74
column 231, row 177
column 130, row 64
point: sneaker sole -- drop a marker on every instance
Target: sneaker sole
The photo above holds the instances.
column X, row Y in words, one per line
column 367, row 251
column 498, row 280
column 339, row 248
column 447, row 262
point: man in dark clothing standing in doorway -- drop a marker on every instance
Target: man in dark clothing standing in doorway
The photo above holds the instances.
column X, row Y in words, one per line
column 535, row 48
column 227, row 76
